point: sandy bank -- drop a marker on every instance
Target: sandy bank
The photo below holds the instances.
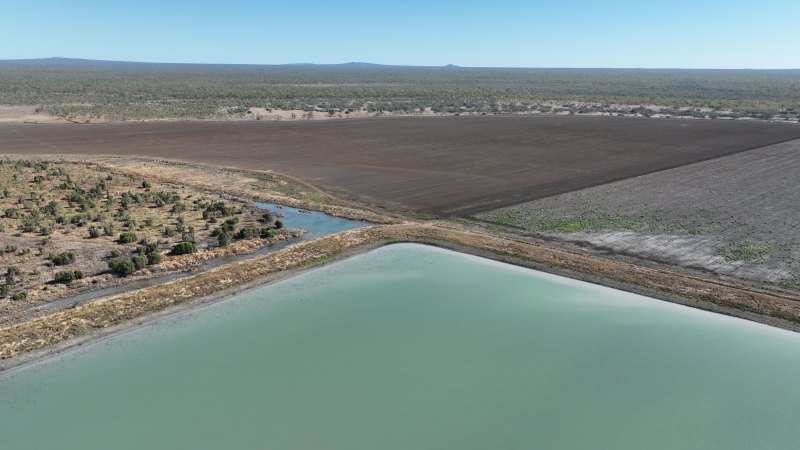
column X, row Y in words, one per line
column 95, row 319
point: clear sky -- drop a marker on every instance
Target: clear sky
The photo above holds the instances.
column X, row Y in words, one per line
column 509, row 33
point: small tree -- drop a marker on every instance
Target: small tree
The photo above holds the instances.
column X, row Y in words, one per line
column 154, row 258
column 11, row 275
column 127, row 237
column 68, row 276
column 63, row 258
column 122, row 266
column 139, row 261
column 278, row 224
column 184, row 248
column 188, row 235
column 247, row 233
column 224, row 238
column 95, row 232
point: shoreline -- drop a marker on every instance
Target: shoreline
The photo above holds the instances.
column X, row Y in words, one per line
column 32, row 342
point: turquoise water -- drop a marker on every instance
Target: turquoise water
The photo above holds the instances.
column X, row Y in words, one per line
column 316, row 223
column 413, row 347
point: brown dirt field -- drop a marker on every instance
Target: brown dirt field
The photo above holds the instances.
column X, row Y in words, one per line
column 443, row 166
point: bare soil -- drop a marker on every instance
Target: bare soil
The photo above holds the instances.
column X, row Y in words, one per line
column 736, row 216
column 440, row 166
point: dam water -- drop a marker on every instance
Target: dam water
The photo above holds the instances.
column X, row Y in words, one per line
column 415, row 347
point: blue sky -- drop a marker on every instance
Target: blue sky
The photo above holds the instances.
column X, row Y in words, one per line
column 508, row 33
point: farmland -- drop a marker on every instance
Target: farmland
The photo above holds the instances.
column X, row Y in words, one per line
column 433, row 166
column 610, row 199
column 734, row 216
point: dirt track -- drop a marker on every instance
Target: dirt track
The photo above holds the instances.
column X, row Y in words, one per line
column 444, row 166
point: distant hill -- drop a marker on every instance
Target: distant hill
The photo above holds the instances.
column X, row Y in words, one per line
column 78, row 62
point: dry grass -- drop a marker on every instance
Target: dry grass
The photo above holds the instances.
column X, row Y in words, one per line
column 783, row 310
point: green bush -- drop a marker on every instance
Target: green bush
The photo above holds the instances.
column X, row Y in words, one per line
column 68, row 276
column 63, row 258
column 22, row 295
column 95, row 232
column 247, row 233
column 5, row 290
column 127, row 237
column 139, row 261
column 224, row 238
column 278, row 224
column 148, row 247
column 11, row 275
column 267, row 233
column 154, row 258
column 184, row 248
column 122, row 266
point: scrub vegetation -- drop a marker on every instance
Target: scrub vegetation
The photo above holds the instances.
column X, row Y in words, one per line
column 123, row 91
column 63, row 222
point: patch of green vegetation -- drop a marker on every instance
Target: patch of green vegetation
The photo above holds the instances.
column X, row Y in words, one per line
column 745, row 252
column 127, row 237
column 122, row 266
column 184, row 248
column 63, row 258
column 791, row 282
column 68, row 276
column 299, row 191
column 594, row 221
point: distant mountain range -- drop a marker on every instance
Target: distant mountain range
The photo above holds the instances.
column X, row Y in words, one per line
column 73, row 62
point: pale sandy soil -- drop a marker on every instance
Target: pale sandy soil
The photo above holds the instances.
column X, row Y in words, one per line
column 16, row 114
column 27, row 113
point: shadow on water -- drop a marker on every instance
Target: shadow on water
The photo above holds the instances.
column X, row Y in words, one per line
column 316, row 224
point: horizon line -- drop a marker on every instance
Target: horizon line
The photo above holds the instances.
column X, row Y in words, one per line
column 364, row 63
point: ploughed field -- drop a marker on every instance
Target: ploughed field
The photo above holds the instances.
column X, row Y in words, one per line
column 442, row 166
column 738, row 215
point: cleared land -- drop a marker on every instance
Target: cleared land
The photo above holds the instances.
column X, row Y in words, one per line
column 442, row 166
column 738, row 215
